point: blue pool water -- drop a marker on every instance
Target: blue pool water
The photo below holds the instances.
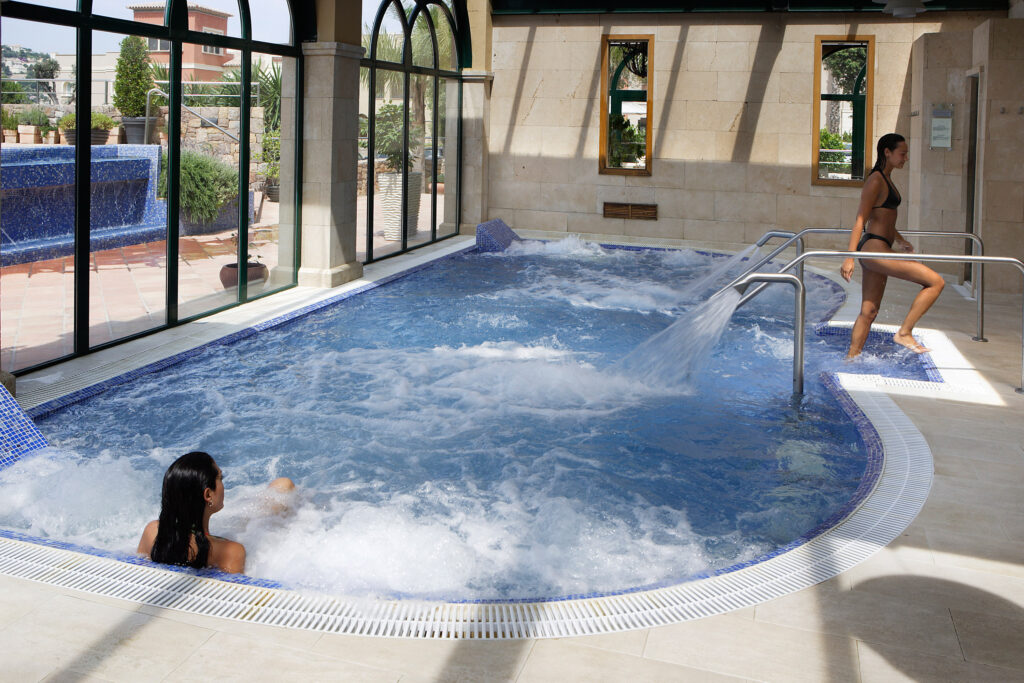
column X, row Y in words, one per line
column 468, row 432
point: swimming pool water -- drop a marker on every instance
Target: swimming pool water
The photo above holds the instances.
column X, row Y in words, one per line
column 466, row 432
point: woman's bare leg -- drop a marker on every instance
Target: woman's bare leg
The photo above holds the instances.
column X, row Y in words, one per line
column 872, row 289
column 931, row 286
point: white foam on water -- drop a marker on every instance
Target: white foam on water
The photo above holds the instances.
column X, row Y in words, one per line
column 572, row 246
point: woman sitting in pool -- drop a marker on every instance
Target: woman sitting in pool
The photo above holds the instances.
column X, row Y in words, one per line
column 193, row 490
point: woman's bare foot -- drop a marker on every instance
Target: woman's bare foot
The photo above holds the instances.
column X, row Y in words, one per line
column 909, row 342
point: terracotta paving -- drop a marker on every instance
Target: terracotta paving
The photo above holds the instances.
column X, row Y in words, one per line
column 127, row 295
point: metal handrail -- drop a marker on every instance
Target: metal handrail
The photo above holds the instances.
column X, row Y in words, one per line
column 977, row 249
column 945, row 258
column 145, row 130
column 799, row 305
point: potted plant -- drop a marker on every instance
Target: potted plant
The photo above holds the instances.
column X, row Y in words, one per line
column 100, row 124
column 29, row 123
column 133, row 79
column 49, row 134
column 389, row 133
column 271, row 158
column 255, row 269
column 10, row 127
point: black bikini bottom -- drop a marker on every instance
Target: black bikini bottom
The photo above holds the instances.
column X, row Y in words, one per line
column 872, row 236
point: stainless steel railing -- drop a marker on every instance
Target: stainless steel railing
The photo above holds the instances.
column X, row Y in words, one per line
column 977, row 249
column 748, row 294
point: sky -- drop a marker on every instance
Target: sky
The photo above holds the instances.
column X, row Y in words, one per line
column 270, row 22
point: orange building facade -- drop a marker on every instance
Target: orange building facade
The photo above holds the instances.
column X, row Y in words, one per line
column 198, row 62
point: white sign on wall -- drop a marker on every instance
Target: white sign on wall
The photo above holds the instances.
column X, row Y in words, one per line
column 942, row 128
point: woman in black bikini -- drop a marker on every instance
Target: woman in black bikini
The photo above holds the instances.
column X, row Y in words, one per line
column 875, row 230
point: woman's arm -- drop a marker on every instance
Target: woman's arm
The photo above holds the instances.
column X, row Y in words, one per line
column 148, row 538
column 900, row 241
column 868, row 196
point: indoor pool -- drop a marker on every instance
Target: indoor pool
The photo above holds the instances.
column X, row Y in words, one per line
column 470, row 432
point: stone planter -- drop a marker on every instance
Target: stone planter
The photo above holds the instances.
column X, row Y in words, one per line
column 29, row 135
column 11, row 135
column 97, row 137
column 134, row 128
column 273, row 192
column 391, row 203
column 255, row 271
column 52, row 138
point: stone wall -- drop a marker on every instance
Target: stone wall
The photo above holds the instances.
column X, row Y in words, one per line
column 732, row 121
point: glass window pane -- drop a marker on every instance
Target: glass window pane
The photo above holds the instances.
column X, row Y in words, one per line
column 844, row 80
column 216, row 16
column 208, row 194
column 389, row 133
column 627, row 105
column 391, row 39
column 447, row 57
column 419, row 218
column 57, row 4
column 422, row 43
column 38, row 207
column 271, row 21
column 272, row 171
column 128, row 217
column 145, row 12
column 446, row 173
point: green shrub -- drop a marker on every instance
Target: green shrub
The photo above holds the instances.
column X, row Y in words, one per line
column 98, row 121
column 33, row 117
column 827, row 140
column 133, row 77
column 10, row 120
column 207, row 184
column 388, row 132
column 272, row 154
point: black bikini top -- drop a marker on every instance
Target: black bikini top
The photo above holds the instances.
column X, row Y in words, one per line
column 893, row 199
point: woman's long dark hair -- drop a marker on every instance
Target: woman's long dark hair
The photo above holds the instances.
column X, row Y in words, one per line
column 889, row 141
column 181, row 511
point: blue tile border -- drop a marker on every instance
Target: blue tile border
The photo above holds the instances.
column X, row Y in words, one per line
column 867, row 432
column 18, row 434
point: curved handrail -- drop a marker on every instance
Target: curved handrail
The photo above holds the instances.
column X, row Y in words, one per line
column 149, row 94
column 800, row 296
column 944, row 258
column 977, row 249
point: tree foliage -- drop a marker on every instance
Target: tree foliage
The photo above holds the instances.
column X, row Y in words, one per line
column 844, row 66
column 133, row 77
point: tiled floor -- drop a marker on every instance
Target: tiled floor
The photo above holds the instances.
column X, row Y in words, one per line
column 944, row 602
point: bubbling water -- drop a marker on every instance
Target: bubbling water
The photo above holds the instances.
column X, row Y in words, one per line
column 493, row 449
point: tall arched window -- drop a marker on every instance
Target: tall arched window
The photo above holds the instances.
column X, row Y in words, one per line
column 410, row 117
column 160, row 183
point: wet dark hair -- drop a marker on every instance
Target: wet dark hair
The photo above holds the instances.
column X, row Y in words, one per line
column 889, row 141
column 181, row 511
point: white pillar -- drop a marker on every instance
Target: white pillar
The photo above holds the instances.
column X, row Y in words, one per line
column 476, row 109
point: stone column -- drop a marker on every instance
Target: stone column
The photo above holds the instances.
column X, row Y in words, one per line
column 476, row 111
column 330, row 138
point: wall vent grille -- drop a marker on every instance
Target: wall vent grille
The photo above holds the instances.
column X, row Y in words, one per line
column 637, row 212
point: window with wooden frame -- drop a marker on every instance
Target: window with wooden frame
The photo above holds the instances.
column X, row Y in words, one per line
column 843, row 106
column 627, row 93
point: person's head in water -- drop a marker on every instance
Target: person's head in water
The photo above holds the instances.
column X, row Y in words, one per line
column 192, row 490
column 892, row 148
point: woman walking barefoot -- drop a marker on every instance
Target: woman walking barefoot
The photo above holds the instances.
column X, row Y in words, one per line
column 875, row 231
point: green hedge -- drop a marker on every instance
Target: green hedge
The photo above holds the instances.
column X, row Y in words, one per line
column 207, row 184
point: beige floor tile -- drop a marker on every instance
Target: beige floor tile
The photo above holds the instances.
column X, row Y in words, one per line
column 77, row 636
column 72, row 677
column 439, row 660
column 755, row 650
column 626, row 642
column 882, row 664
column 944, row 513
column 964, row 447
column 991, row 639
column 1013, row 526
column 1011, row 474
column 290, row 637
column 985, row 554
column 865, row 616
column 557, row 661
column 925, row 584
column 230, row 657
column 954, row 490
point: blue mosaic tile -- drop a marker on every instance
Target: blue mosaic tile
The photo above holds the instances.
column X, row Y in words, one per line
column 495, row 235
column 18, row 434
